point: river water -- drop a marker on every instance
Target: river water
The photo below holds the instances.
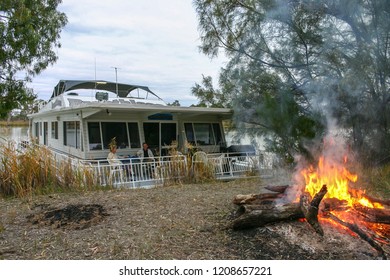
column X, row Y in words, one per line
column 14, row 133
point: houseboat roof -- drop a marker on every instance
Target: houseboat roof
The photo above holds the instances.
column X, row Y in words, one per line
column 122, row 90
column 67, row 97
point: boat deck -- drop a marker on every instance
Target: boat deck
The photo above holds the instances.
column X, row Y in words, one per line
column 135, row 173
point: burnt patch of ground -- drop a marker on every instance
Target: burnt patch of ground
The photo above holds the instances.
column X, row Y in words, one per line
column 71, row 216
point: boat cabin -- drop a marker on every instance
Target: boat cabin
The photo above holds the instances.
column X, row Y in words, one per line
column 82, row 117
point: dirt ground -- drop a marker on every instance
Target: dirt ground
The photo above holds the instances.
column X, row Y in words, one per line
column 185, row 222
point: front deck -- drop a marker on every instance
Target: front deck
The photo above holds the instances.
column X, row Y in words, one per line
column 135, row 173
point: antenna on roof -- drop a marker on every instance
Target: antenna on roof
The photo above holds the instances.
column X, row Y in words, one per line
column 116, row 79
column 95, row 78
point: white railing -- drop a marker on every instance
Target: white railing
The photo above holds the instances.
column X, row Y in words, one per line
column 135, row 172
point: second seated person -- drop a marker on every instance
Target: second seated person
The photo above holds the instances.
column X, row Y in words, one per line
column 145, row 153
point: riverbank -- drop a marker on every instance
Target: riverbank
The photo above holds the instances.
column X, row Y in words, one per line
column 14, row 123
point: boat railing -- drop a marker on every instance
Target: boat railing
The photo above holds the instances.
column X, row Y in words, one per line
column 135, row 172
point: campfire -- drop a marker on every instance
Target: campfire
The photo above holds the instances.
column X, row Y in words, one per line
column 324, row 193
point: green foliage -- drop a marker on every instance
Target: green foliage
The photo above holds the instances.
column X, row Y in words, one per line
column 208, row 95
column 29, row 34
column 296, row 65
column 174, row 103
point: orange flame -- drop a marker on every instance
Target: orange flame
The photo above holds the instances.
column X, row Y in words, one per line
column 337, row 178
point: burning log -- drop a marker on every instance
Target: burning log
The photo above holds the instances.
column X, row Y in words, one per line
column 377, row 200
column 374, row 215
column 334, row 204
column 256, row 215
column 354, row 228
column 310, row 210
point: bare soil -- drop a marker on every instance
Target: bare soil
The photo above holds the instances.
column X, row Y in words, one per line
column 174, row 222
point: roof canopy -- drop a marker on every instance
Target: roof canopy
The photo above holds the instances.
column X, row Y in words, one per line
column 121, row 89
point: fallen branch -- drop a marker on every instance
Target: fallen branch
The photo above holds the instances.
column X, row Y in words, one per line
column 257, row 216
column 374, row 215
column 310, row 210
column 278, row 189
column 373, row 199
column 264, row 198
column 354, row 228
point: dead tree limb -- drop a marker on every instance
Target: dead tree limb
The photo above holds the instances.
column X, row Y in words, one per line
column 252, row 217
column 263, row 198
column 373, row 215
column 373, row 199
column 354, row 228
column 278, row 189
column 310, row 210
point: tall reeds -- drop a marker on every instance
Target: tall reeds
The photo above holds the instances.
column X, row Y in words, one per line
column 34, row 170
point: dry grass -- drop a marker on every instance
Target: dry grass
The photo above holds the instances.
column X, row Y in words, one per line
column 14, row 123
column 35, row 171
column 377, row 181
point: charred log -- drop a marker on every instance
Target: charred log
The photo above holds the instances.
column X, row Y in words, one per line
column 334, row 204
column 377, row 200
column 278, row 189
column 354, row 228
column 264, row 198
column 374, row 215
column 310, row 210
column 256, row 215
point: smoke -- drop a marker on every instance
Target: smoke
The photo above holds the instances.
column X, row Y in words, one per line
column 333, row 148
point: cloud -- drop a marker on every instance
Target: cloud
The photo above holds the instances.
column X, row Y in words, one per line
column 152, row 43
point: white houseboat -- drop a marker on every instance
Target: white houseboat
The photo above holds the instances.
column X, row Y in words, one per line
column 82, row 117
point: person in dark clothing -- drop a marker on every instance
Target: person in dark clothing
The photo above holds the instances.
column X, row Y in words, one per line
column 145, row 152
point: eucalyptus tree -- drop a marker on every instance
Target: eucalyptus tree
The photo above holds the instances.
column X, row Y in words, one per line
column 29, row 34
column 294, row 65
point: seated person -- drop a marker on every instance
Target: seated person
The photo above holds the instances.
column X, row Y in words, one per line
column 112, row 157
column 145, row 154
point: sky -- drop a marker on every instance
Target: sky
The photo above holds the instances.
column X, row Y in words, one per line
column 152, row 43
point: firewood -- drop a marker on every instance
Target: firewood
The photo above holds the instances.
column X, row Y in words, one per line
column 373, row 199
column 354, row 228
column 374, row 215
column 256, row 215
column 334, row 204
column 310, row 210
column 241, row 199
column 278, row 189
column 261, row 216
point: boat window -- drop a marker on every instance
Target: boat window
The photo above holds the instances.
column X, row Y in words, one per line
column 94, row 138
column 117, row 130
column 37, row 130
column 72, row 134
column 189, row 133
column 134, row 135
column 204, row 134
column 217, row 134
column 54, row 130
column 152, row 134
column 168, row 134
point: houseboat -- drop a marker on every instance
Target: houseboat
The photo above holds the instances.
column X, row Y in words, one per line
column 82, row 117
